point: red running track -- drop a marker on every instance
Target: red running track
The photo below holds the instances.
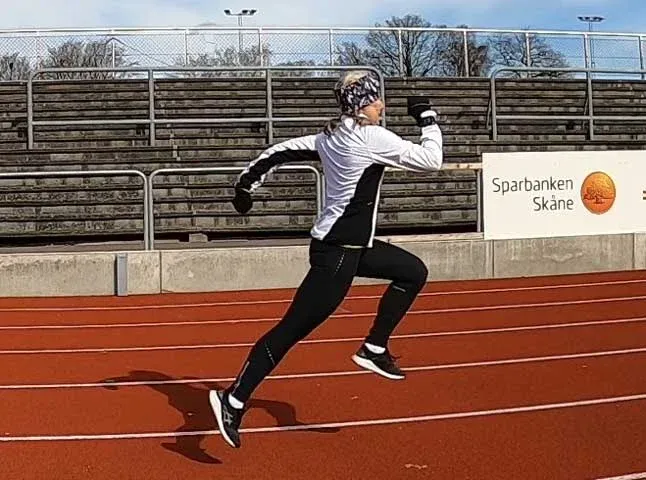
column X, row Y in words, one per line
column 535, row 378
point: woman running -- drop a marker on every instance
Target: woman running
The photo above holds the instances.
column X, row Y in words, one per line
column 354, row 151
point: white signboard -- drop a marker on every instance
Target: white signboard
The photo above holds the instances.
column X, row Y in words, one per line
column 555, row 194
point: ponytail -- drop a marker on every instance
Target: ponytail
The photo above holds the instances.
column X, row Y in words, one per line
column 331, row 126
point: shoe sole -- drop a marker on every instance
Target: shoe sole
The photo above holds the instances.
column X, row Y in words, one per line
column 368, row 365
column 216, row 406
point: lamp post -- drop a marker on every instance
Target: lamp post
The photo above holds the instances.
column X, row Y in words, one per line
column 591, row 19
column 247, row 12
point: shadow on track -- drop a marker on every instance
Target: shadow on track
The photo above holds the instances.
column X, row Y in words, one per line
column 191, row 400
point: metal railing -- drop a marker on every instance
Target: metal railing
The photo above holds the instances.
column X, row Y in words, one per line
column 590, row 116
column 206, row 170
column 148, row 185
column 320, row 189
column 477, row 167
column 182, row 45
column 94, row 173
column 152, row 121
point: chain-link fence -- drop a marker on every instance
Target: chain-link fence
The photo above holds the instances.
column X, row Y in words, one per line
column 415, row 52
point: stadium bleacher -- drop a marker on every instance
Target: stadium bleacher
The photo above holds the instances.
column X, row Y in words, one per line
column 44, row 210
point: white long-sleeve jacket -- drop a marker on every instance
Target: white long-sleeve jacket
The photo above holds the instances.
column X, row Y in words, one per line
column 354, row 160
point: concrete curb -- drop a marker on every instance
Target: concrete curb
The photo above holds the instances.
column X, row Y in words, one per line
column 448, row 257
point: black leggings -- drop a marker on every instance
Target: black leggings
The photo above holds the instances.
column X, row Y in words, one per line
column 325, row 286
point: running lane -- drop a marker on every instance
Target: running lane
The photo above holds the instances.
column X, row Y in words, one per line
column 479, row 439
column 361, row 300
column 343, row 398
column 558, row 443
column 224, row 360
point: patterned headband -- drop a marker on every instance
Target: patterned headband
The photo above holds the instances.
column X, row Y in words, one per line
column 359, row 94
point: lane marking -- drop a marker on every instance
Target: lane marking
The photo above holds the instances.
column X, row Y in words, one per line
column 317, row 341
column 631, row 476
column 288, row 300
column 297, row 376
column 336, row 316
column 346, row 424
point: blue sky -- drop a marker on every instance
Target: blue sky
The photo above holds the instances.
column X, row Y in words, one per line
column 621, row 15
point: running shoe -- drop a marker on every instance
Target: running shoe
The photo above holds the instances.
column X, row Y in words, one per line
column 380, row 363
column 228, row 418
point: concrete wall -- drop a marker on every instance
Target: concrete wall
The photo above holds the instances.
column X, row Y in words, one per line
column 76, row 274
column 449, row 257
column 555, row 256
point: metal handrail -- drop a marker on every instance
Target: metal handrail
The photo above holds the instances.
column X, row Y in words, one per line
column 94, row 173
column 148, row 183
column 477, row 166
column 269, row 119
column 589, row 116
column 206, row 170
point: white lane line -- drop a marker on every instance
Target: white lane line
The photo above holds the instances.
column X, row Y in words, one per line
column 631, row 476
column 337, row 316
column 324, row 340
column 287, row 300
column 347, row 424
column 297, row 376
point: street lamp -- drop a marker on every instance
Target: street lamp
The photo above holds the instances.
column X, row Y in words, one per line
column 243, row 13
column 247, row 12
column 590, row 19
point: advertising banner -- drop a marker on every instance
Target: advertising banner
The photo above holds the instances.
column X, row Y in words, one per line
column 556, row 194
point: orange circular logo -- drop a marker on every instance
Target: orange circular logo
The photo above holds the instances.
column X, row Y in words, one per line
column 598, row 192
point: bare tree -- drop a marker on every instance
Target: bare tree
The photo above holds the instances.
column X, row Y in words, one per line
column 450, row 59
column 14, row 67
column 383, row 48
column 309, row 73
column 108, row 53
column 228, row 57
column 423, row 53
column 511, row 50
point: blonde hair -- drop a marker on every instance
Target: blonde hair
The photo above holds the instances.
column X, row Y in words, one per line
column 350, row 77
column 346, row 78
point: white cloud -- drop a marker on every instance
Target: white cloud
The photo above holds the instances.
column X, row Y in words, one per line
column 115, row 13
column 149, row 13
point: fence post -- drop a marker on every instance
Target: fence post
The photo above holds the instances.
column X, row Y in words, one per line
column 466, row 54
column 401, row 52
column 590, row 106
column 586, row 50
column 186, row 47
column 30, row 111
column 270, row 107
column 151, row 106
column 528, row 48
column 640, row 39
column 494, row 119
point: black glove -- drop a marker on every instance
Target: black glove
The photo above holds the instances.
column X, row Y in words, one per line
column 421, row 110
column 242, row 201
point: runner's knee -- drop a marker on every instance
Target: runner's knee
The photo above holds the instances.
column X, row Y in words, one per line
column 420, row 274
column 415, row 277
